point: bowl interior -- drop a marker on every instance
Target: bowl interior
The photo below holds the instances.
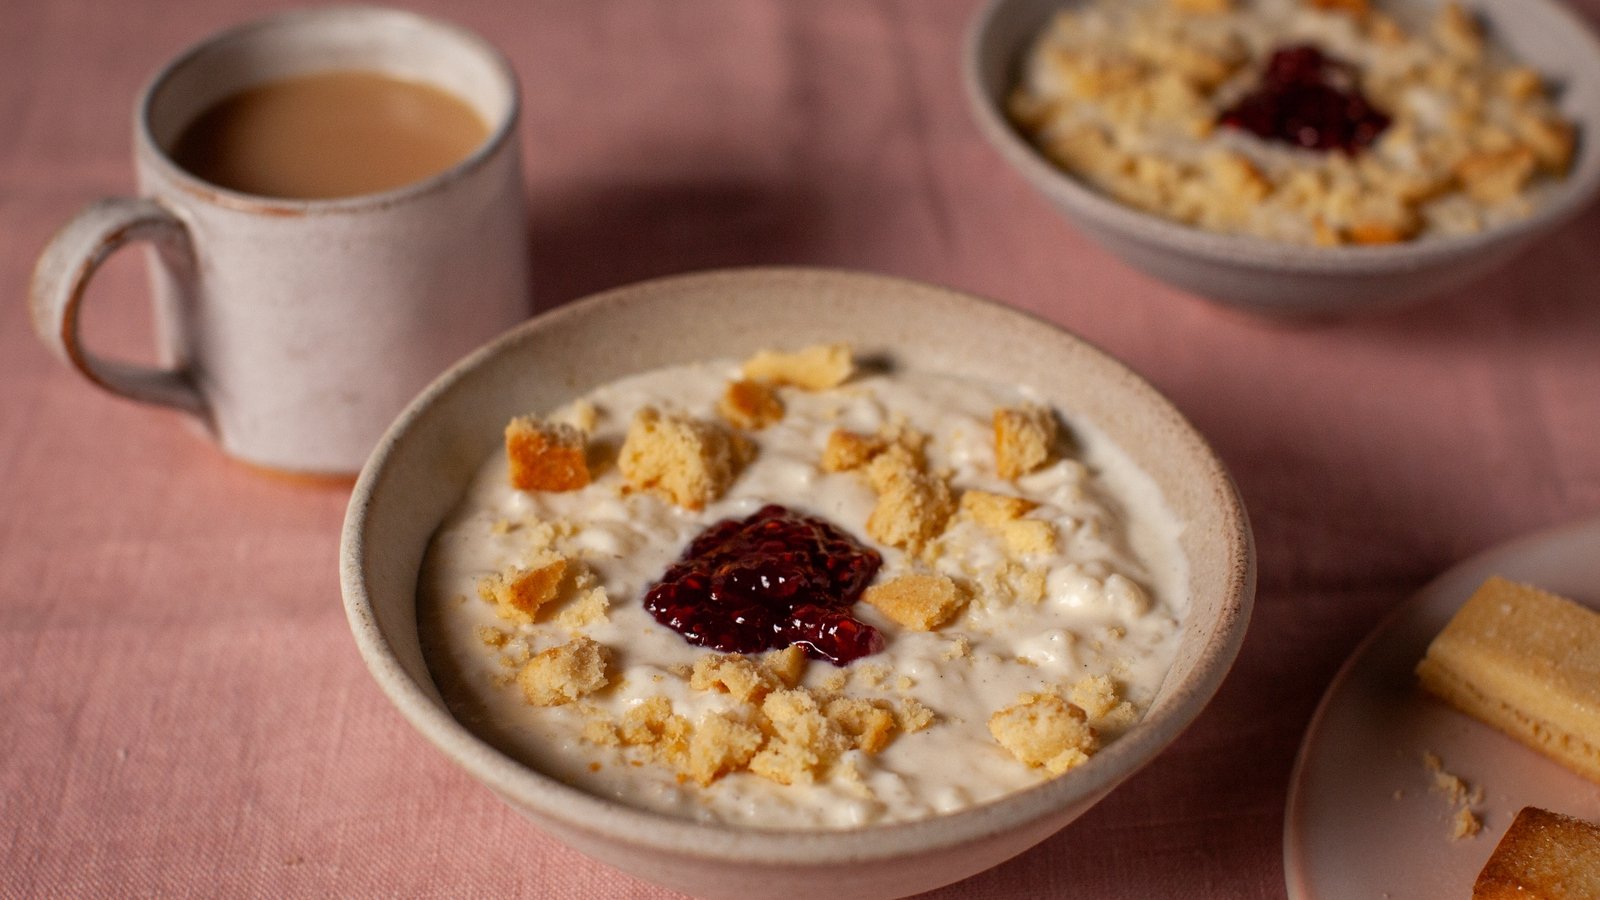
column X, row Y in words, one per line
column 1544, row 33
column 424, row 464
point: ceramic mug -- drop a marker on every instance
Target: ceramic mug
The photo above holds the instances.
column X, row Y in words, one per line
column 293, row 331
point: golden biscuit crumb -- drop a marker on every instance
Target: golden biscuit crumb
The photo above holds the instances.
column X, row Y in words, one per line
column 545, row 456
column 870, row 723
column 912, row 715
column 1096, row 695
column 491, row 637
column 564, row 673
column 787, row 665
column 1465, row 824
column 872, row 675
column 957, row 648
column 718, row 745
column 994, row 510
column 1024, row 438
column 814, row 368
column 651, row 723
column 519, row 592
column 804, row 742
column 848, row 450
column 913, row 505
column 918, row 602
column 835, row 682
column 590, row 609
column 502, row 526
column 751, row 405
column 1029, row 536
column 733, row 674
column 690, row 461
column 1044, row 730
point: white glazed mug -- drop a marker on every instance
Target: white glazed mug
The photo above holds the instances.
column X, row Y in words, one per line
column 293, row 331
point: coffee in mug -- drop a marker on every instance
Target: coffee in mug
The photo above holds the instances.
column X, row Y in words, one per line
column 329, row 134
column 299, row 305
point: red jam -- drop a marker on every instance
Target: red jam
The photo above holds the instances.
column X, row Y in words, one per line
column 1309, row 100
column 769, row 581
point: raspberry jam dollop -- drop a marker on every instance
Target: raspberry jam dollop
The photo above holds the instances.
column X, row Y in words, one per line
column 1309, row 100
column 766, row 582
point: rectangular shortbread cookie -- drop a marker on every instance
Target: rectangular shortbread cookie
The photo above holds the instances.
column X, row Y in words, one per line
column 1527, row 662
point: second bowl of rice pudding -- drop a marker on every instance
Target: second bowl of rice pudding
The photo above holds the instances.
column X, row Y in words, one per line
column 773, row 581
column 1297, row 157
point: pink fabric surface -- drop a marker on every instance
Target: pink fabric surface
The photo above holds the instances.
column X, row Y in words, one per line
column 182, row 711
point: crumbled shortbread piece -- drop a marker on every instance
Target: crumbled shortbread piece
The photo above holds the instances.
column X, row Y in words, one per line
column 872, row 675
column 751, row 405
column 493, row 638
column 787, row 665
column 814, row 368
column 804, row 743
column 994, row 510
column 545, row 456
column 590, row 609
column 1497, row 176
column 733, row 674
column 1462, row 796
column 1465, row 824
column 719, row 744
column 871, row 723
column 913, row 504
column 1096, row 695
column 1024, row 437
column 651, row 723
column 1003, row 515
column 912, row 715
column 849, row 450
column 1044, row 730
column 1102, row 701
column 689, row 460
column 918, row 602
column 519, row 592
column 564, row 673
column 957, row 648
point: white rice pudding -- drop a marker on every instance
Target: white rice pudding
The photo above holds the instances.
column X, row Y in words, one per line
column 1113, row 599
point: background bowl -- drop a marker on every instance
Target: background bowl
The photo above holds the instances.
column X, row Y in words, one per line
column 422, row 467
column 1283, row 279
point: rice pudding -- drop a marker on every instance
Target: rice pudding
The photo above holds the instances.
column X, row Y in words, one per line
column 1022, row 608
column 1322, row 122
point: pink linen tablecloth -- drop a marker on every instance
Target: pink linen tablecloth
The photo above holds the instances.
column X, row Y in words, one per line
column 182, row 711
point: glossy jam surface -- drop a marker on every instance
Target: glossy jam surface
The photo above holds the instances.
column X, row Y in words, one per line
column 1308, row 100
column 768, row 581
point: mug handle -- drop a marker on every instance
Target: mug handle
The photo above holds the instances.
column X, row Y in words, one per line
column 63, row 273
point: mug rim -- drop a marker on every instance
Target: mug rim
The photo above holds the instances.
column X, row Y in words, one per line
column 501, row 131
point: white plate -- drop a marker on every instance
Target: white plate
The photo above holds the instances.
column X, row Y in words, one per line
column 1362, row 821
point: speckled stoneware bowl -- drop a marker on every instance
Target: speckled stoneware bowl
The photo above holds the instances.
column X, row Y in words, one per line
column 423, row 466
column 1287, row 280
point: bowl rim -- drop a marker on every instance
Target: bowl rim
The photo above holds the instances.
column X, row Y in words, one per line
column 1569, row 199
column 578, row 810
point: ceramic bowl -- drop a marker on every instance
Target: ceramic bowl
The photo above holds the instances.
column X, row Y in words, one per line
column 423, row 465
column 1288, row 280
